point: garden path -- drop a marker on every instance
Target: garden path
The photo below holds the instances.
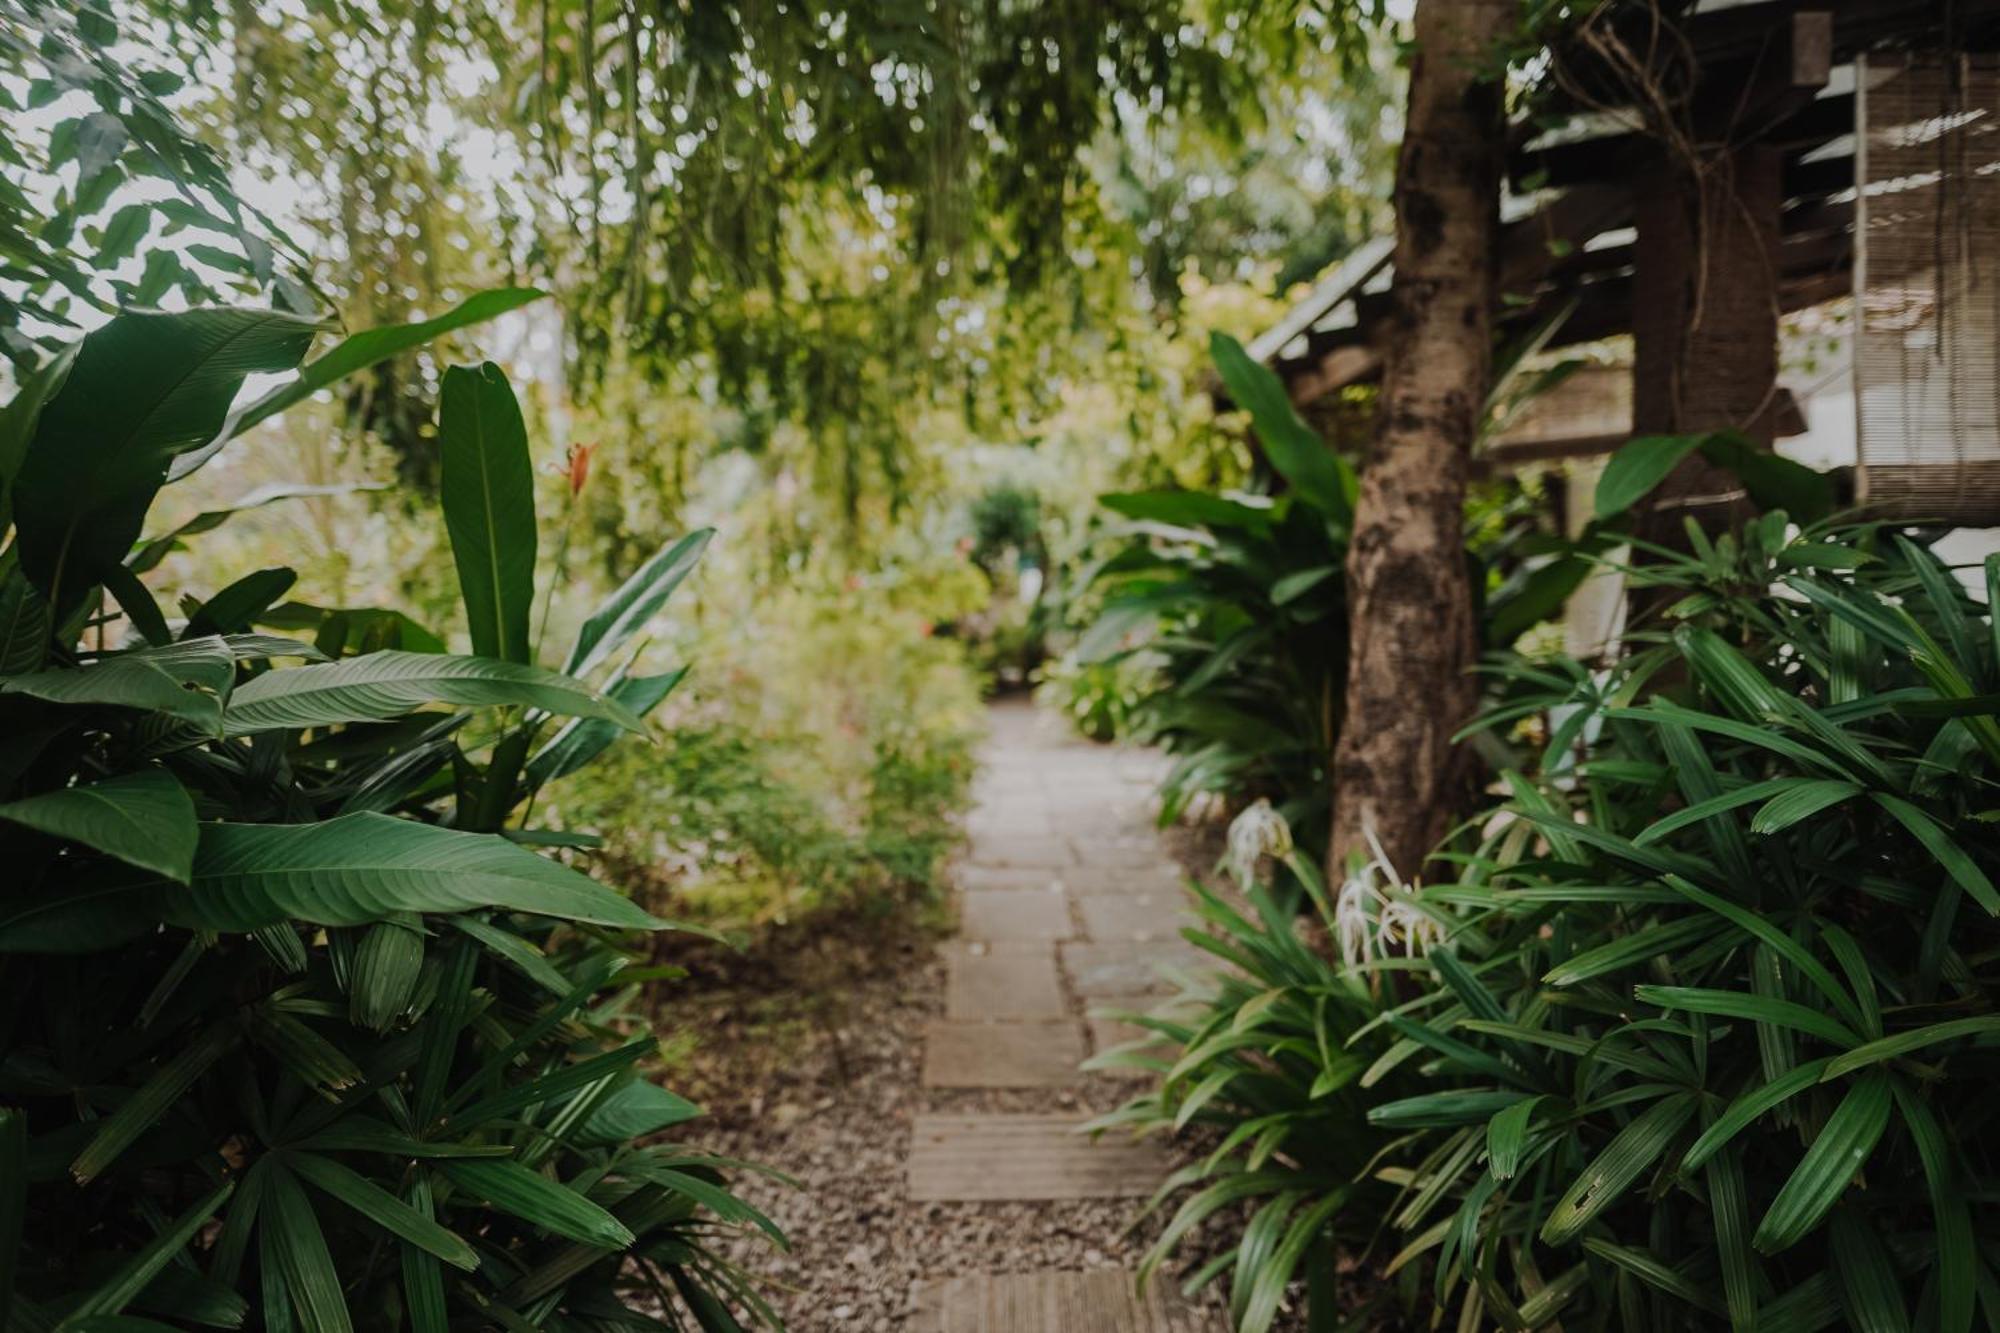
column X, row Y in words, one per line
column 1069, row 905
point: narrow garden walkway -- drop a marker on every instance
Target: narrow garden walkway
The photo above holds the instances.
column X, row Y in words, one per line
column 1068, row 904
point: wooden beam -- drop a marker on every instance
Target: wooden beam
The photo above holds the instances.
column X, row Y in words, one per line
column 1726, row 44
column 1622, row 156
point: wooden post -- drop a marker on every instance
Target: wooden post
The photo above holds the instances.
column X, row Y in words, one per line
column 1705, row 291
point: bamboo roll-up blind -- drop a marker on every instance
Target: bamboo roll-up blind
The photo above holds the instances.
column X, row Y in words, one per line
column 1927, row 287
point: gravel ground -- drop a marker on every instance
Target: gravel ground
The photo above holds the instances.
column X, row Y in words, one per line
column 806, row 1050
column 821, row 1082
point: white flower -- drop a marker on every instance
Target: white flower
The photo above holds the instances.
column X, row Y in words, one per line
column 1258, row 832
column 1354, row 917
column 1403, row 920
column 1376, row 911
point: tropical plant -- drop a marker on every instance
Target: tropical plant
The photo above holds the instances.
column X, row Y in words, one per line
column 305, row 1018
column 1239, row 603
column 1263, row 1065
column 1708, row 1012
column 1726, row 993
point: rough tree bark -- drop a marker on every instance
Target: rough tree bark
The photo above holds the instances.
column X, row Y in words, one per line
column 1412, row 640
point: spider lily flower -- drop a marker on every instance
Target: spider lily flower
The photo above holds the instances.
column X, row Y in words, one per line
column 1258, row 832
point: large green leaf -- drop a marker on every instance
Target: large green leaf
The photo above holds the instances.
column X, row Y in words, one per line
column 1637, row 467
column 24, row 625
column 1301, row 457
column 144, row 818
column 583, row 739
column 1191, row 509
column 1773, row 481
column 365, row 867
column 626, row 611
column 19, row 419
column 155, row 549
column 187, row 680
column 373, row 346
column 383, row 685
column 235, row 608
column 144, row 388
column 487, row 487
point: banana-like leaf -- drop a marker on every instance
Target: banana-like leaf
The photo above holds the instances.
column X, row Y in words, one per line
column 21, row 416
column 626, row 611
column 155, row 549
column 583, row 739
column 380, row 686
column 373, row 346
column 186, row 680
column 487, row 488
column 144, row 818
column 1637, row 467
column 1319, row 476
column 24, row 625
column 233, row 609
column 144, row 388
column 362, row 868
column 1191, row 509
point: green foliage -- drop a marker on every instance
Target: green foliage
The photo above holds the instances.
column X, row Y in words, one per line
column 838, row 800
column 1711, row 1036
column 1242, row 602
column 97, row 170
column 1232, row 610
column 297, row 1020
column 1271, row 1069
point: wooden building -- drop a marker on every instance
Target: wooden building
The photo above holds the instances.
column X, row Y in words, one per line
column 1693, row 174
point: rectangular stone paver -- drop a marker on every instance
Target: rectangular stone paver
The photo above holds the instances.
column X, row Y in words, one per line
column 1134, row 916
column 1002, row 1055
column 1120, row 879
column 1048, row 853
column 1014, row 914
column 974, row 1158
column 974, row 878
column 1002, row 982
column 1128, row 967
column 1104, row 1300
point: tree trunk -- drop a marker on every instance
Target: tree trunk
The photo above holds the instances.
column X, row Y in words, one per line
column 1412, row 640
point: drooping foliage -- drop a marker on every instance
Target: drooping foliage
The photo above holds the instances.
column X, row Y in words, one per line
column 823, row 217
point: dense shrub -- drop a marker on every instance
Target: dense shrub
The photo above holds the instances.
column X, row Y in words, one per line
column 1708, row 1032
column 300, row 1020
column 1231, row 611
column 789, row 790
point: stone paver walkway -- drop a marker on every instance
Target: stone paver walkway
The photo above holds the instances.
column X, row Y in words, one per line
column 1068, row 903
